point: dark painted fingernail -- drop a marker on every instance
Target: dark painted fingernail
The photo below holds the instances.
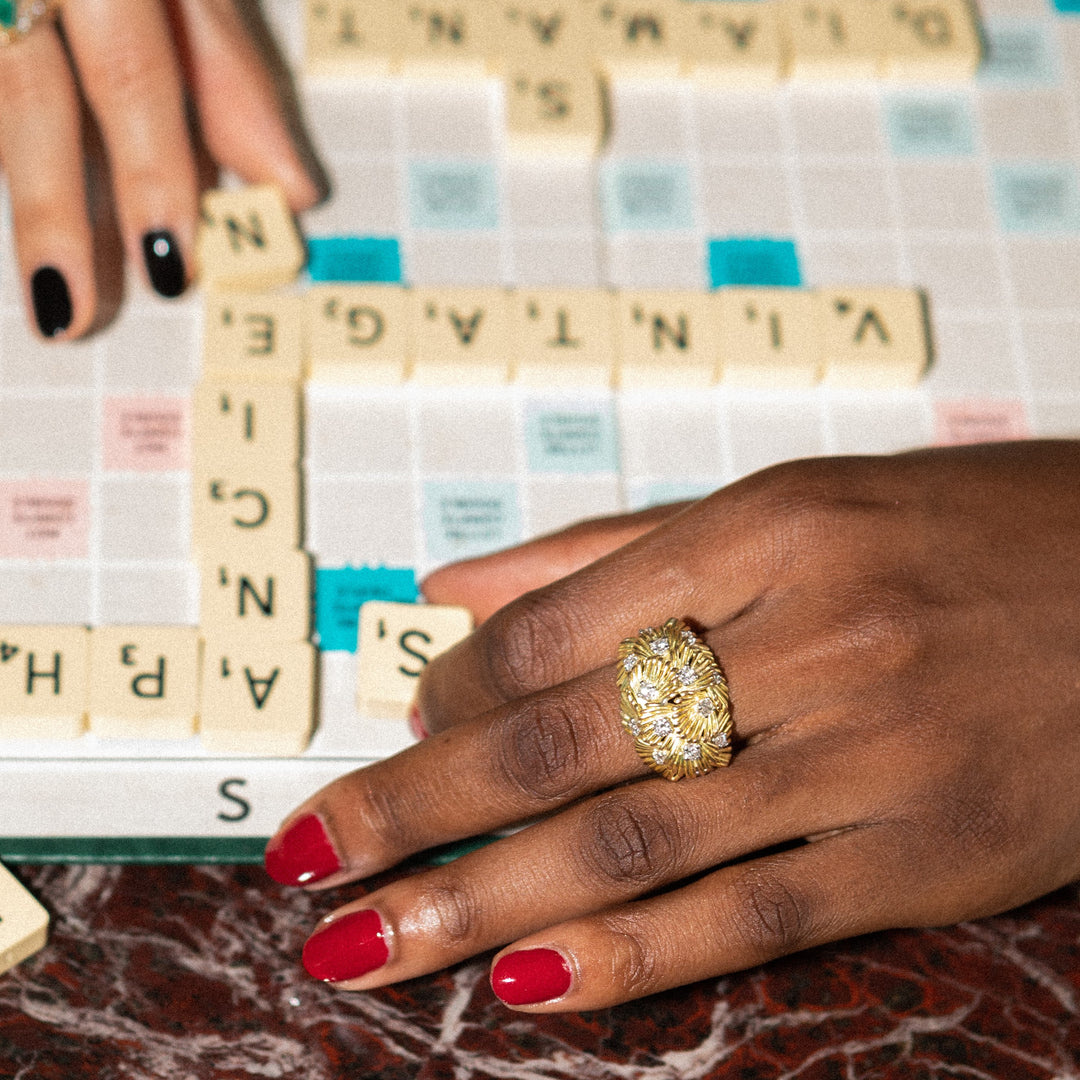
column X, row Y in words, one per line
column 416, row 724
column 52, row 301
column 164, row 263
column 302, row 854
column 529, row 976
column 347, row 948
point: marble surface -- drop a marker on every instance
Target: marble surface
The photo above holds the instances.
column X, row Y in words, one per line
column 191, row 973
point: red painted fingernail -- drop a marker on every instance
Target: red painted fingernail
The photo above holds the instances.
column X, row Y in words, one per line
column 530, row 976
column 416, row 724
column 302, row 854
column 347, row 948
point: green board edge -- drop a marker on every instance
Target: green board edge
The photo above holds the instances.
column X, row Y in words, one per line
column 148, row 850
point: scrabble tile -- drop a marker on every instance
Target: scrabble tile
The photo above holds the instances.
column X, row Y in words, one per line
column 461, row 336
column 24, row 923
column 664, row 339
column 247, row 239
column 44, row 691
column 556, row 109
column 931, row 40
column 253, row 337
column 449, row 39
column 539, row 33
column 257, row 510
column 257, row 699
column 734, row 44
column 396, row 643
column 266, row 597
column 359, row 334
column 834, row 39
column 768, row 339
column 640, row 39
column 349, row 37
column 874, row 338
column 144, row 681
column 563, row 337
column 241, row 426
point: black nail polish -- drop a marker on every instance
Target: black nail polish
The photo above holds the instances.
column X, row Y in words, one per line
column 52, row 301
column 164, row 263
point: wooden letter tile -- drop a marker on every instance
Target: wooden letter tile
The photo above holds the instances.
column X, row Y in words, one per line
column 24, row 923
column 664, row 339
column 449, row 39
column 931, row 40
column 244, row 513
column 259, row 338
column 563, row 337
column 267, row 598
column 835, row 39
column 874, row 338
column 144, row 681
column 396, row 642
column 44, row 688
column 640, row 40
column 768, row 339
column 247, row 240
column 239, row 427
column 359, row 334
column 556, row 109
column 461, row 336
column 257, row 699
column 350, row 37
column 734, row 44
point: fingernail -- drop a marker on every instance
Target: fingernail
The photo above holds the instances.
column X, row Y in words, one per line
column 347, row 948
column 302, row 854
column 52, row 301
column 416, row 724
column 530, row 976
column 164, row 263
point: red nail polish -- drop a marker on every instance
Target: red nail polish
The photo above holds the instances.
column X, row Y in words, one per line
column 302, row 854
column 530, row 976
column 347, row 948
column 416, row 724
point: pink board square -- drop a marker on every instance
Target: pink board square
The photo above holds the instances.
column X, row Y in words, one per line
column 959, row 422
column 44, row 519
column 146, row 434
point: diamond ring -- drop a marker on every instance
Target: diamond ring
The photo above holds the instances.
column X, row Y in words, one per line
column 19, row 17
column 674, row 701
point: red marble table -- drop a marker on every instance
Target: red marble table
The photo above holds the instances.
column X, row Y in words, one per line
column 189, row 973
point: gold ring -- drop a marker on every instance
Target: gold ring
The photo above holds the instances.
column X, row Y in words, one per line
column 19, row 17
column 674, row 701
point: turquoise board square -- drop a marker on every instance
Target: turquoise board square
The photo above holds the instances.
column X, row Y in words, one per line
column 753, row 261
column 646, row 196
column 662, row 492
column 1018, row 51
column 339, row 592
column 571, row 439
column 1068, row 7
column 1037, row 196
column 930, row 125
column 354, row 258
column 453, row 195
column 465, row 518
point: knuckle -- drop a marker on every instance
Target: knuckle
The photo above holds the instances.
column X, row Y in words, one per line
column 629, row 838
column 521, row 646
column 386, row 817
column 540, row 755
column 770, row 914
column 632, row 956
column 448, row 913
column 882, row 617
column 125, row 75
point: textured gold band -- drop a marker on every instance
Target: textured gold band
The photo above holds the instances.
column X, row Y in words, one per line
column 19, row 17
column 674, row 701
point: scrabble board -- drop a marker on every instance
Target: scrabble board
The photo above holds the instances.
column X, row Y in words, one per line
column 969, row 190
